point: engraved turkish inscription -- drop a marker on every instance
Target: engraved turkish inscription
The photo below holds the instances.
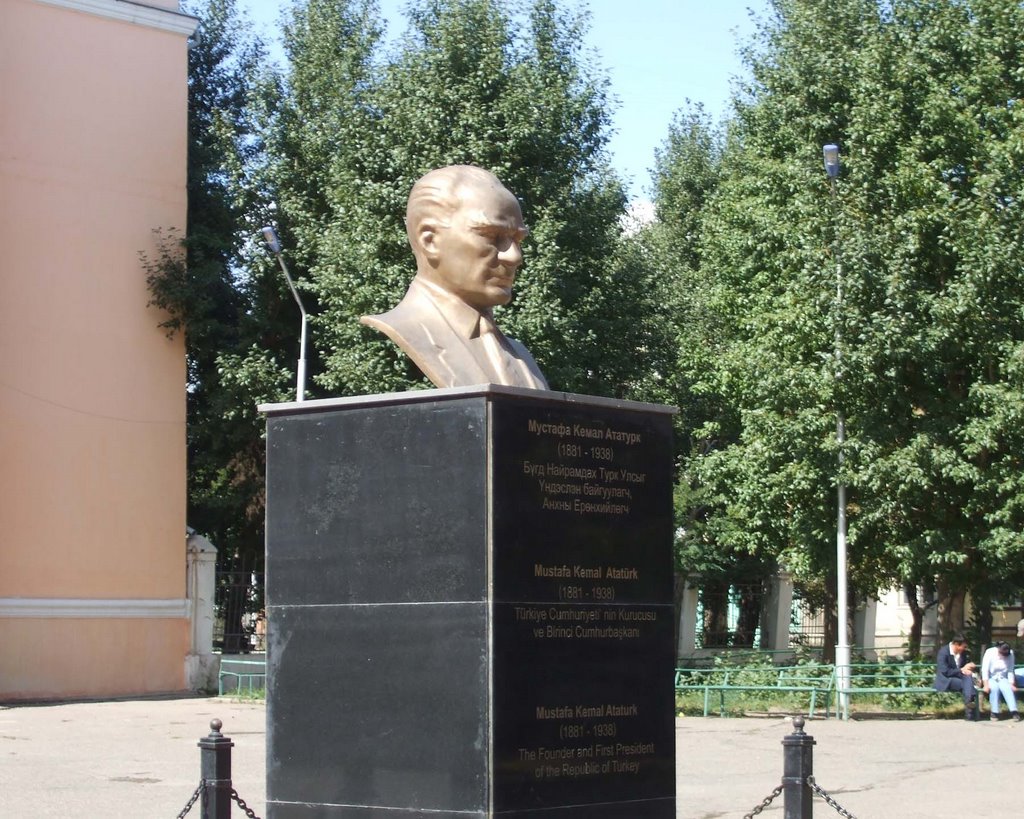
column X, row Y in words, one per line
column 569, row 623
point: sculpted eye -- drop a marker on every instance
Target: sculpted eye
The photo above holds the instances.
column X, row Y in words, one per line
column 500, row 237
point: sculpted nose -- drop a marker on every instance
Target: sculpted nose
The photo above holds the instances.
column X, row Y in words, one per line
column 511, row 256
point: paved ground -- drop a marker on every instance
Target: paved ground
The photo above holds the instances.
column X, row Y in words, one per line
column 138, row 759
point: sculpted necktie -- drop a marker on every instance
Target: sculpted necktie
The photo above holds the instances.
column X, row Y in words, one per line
column 498, row 357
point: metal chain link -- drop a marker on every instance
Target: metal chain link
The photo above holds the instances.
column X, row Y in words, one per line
column 828, row 799
column 241, row 803
column 764, row 803
column 188, row 806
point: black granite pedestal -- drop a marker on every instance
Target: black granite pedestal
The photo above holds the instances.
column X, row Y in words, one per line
column 469, row 600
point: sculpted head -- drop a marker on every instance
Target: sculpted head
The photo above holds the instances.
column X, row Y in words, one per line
column 466, row 231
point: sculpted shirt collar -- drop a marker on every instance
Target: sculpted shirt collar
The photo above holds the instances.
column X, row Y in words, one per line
column 464, row 319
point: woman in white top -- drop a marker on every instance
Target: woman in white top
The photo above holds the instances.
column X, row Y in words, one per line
column 998, row 680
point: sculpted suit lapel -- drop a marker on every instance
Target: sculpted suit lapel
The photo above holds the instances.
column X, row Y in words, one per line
column 453, row 355
column 417, row 325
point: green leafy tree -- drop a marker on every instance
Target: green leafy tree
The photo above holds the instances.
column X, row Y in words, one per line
column 935, row 240
column 923, row 231
column 472, row 84
column 326, row 148
column 199, row 279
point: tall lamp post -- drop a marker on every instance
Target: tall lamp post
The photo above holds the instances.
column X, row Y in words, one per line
column 831, row 156
column 270, row 237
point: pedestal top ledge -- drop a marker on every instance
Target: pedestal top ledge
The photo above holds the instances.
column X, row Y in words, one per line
column 454, row 393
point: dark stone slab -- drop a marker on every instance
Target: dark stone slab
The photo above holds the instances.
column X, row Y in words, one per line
column 660, row 809
column 470, row 607
column 382, row 705
column 357, row 504
column 583, row 606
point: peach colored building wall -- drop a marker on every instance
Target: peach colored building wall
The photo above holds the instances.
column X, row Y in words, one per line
column 92, row 401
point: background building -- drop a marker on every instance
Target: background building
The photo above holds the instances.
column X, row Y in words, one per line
column 92, row 404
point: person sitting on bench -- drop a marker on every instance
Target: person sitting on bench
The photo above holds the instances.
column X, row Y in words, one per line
column 955, row 672
column 998, row 680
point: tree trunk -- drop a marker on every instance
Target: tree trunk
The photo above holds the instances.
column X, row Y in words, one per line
column 749, row 616
column 917, row 622
column 678, row 587
column 951, row 610
column 981, row 616
column 715, row 597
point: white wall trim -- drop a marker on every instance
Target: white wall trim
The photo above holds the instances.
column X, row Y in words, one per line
column 137, row 13
column 53, row 607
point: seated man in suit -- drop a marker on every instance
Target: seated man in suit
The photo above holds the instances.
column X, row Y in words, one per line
column 465, row 229
column 955, row 672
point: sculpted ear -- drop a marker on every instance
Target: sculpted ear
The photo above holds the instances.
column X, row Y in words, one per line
column 428, row 238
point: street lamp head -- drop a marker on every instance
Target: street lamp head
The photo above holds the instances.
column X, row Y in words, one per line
column 270, row 237
column 831, row 153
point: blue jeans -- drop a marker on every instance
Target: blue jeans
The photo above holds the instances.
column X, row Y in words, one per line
column 1001, row 689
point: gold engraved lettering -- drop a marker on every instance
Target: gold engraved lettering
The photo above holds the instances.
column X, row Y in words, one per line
column 606, row 632
column 562, row 471
column 530, row 614
column 628, row 438
column 540, row 428
column 540, row 570
column 555, row 712
column 584, row 508
column 638, row 616
column 556, row 753
column 636, row 749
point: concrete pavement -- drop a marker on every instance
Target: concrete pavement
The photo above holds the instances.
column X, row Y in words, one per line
column 131, row 759
column 138, row 759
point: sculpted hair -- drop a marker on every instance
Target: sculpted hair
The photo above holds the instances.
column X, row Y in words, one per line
column 436, row 195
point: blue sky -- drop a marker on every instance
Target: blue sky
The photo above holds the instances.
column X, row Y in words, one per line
column 658, row 54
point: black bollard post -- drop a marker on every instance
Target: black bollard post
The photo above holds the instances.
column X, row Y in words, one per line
column 797, row 766
column 215, row 770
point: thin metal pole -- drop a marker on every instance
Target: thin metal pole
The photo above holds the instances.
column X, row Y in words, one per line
column 300, row 378
column 842, row 601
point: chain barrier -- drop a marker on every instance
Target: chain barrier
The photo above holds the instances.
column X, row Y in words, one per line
column 241, row 803
column 764, row 803
column 828, row 799
column 200, row 791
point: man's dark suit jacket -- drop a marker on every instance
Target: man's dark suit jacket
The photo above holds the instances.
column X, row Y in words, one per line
column 947, row 668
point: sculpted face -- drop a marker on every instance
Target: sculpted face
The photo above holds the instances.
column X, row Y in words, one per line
column 474, row 251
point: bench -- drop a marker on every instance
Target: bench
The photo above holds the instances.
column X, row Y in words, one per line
column 813, row 680
column 252, row 672
column 887, row 679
